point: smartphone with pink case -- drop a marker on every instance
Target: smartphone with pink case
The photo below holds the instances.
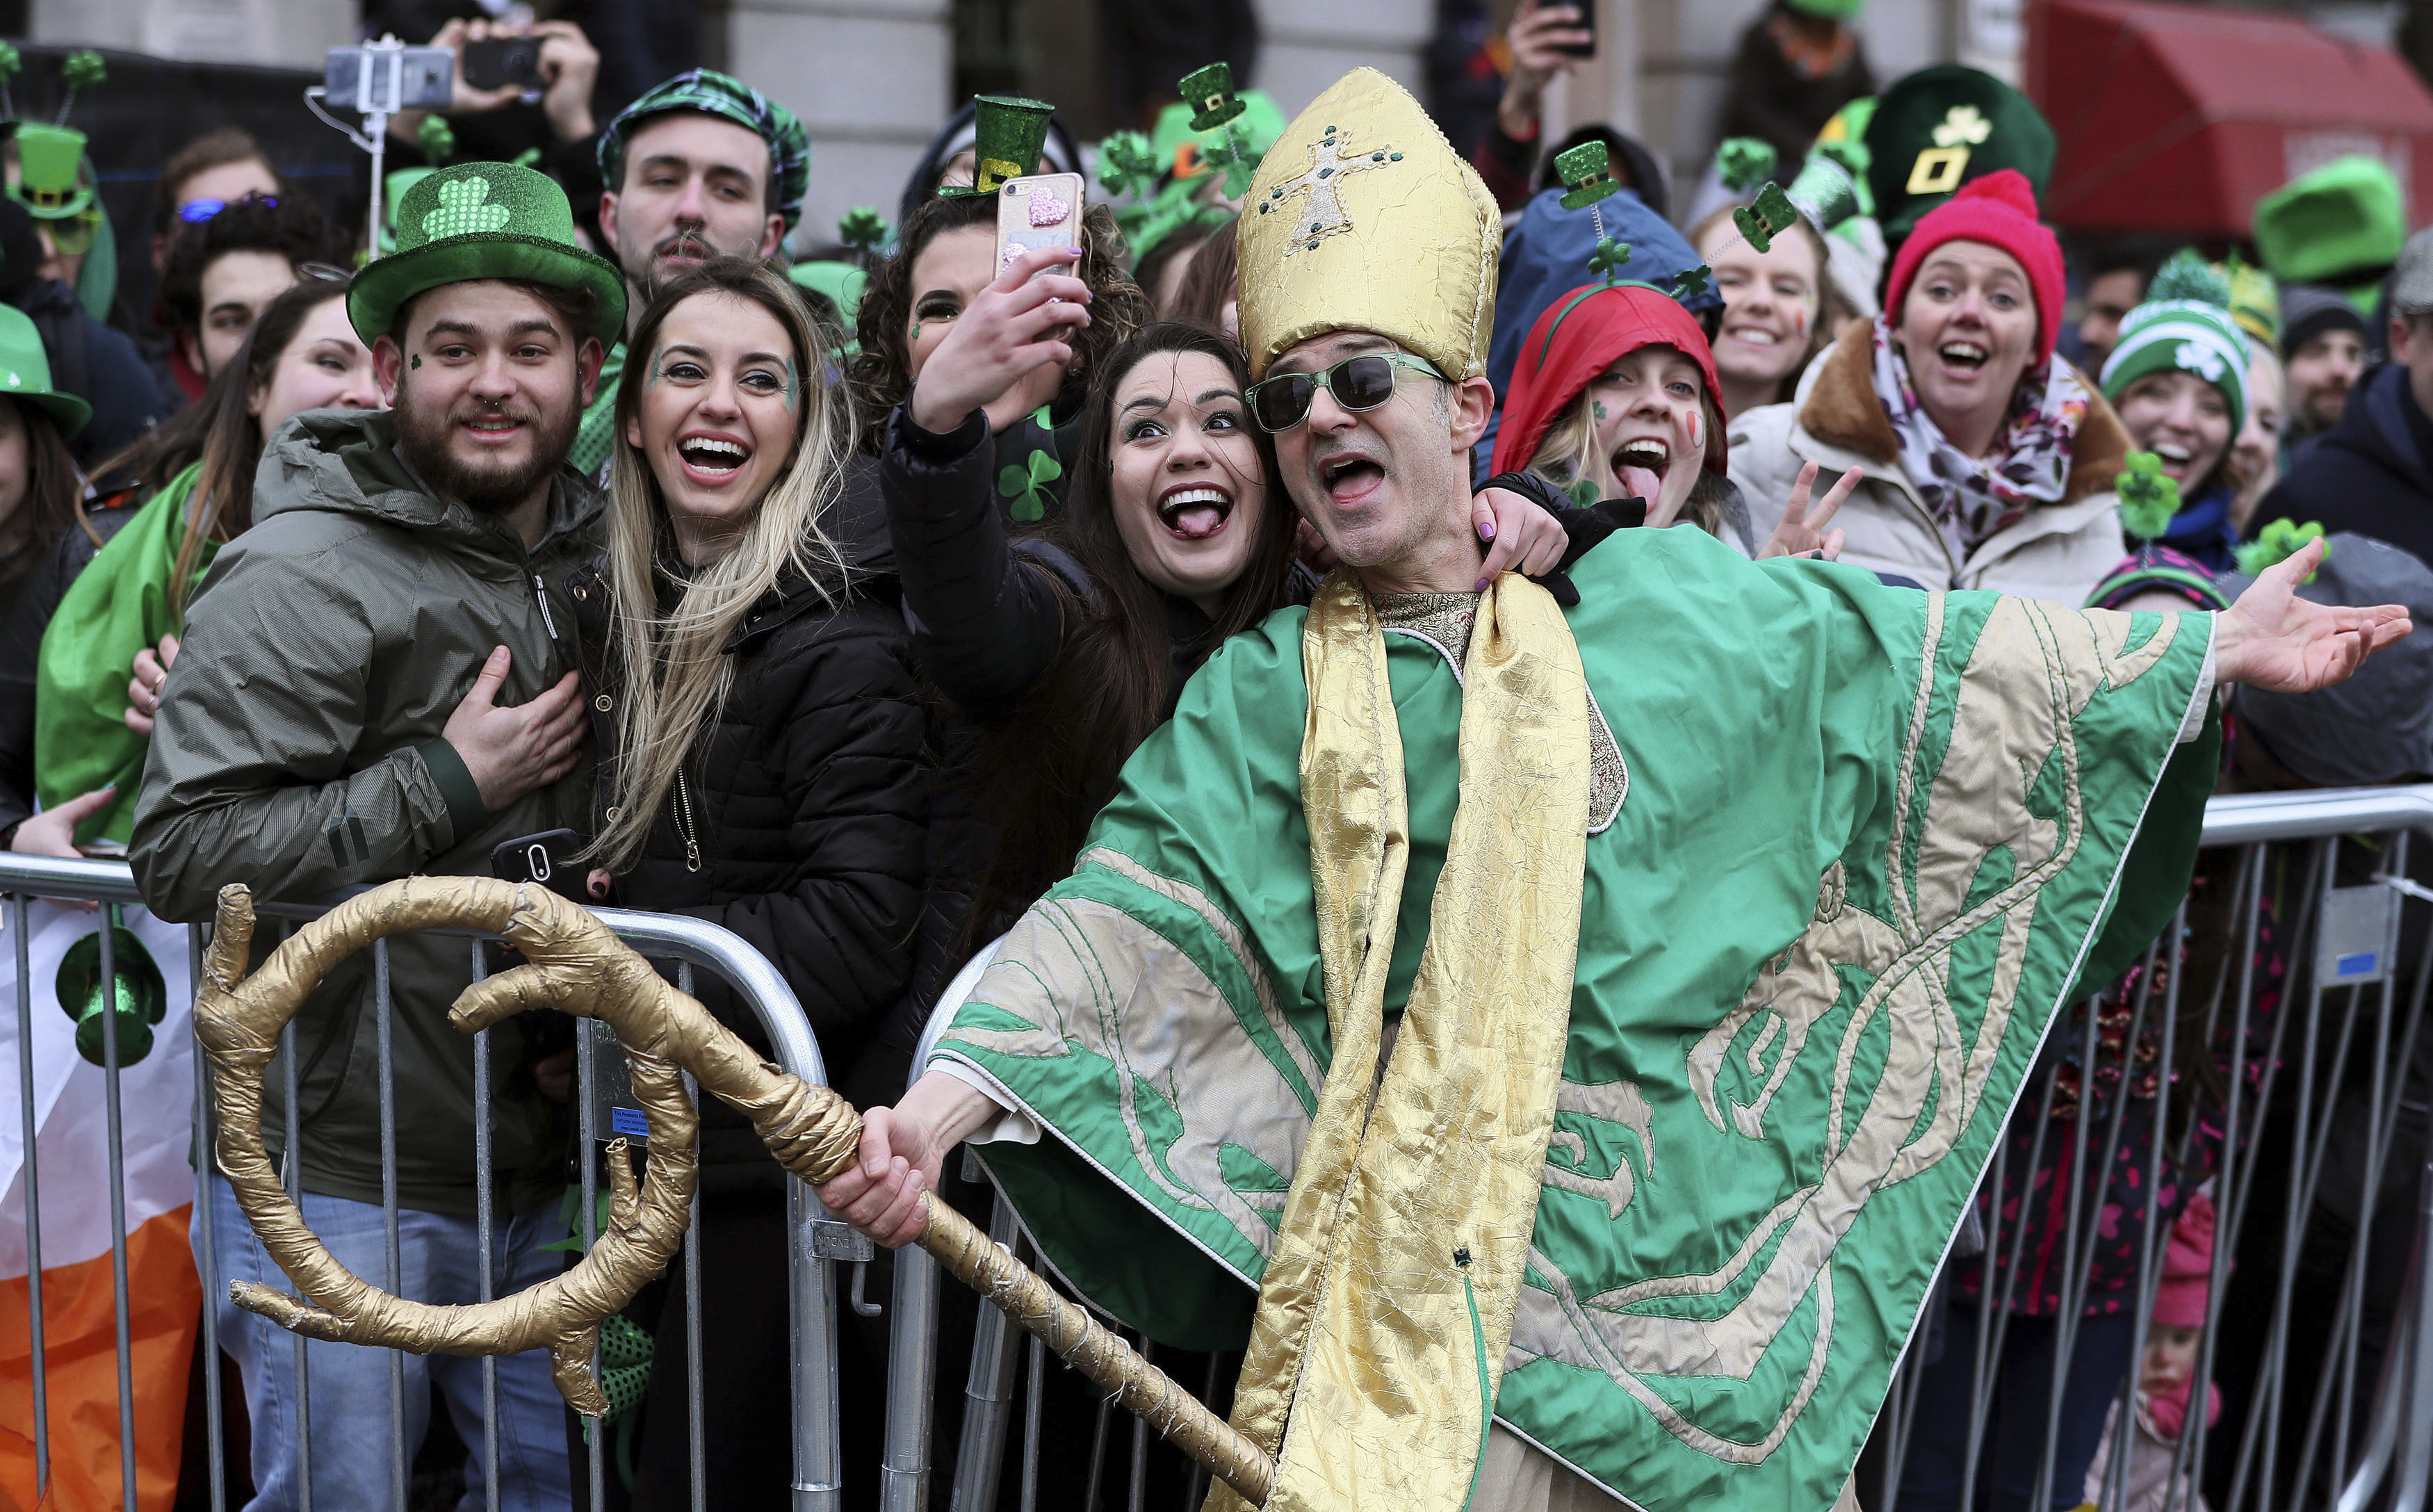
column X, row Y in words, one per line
column 1042, row 211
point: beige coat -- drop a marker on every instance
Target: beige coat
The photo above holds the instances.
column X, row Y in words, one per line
column 2058, row 551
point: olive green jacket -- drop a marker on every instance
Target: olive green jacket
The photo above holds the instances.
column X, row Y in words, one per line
column 297, row 750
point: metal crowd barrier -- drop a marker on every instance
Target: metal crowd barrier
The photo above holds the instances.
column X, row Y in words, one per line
column 2322, row 1436
column 815, row 1242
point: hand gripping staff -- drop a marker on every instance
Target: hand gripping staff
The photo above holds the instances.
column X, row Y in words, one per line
column 574, row 963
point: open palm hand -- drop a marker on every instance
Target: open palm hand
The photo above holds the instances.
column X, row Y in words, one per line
column 2274, row 640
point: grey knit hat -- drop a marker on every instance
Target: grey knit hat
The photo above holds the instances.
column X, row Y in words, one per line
column 2377, row 726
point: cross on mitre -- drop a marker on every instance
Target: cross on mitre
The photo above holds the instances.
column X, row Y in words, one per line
column 1330, row 164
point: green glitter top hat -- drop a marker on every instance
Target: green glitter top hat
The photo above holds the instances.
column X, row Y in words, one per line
column 1008, row 133
column 1587, row 171
column 1209, row 91
column 482, row 220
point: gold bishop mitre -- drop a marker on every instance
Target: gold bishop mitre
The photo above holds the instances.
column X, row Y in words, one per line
column 1363, row 218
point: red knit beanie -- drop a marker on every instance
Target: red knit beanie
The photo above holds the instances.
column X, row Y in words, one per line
column 2188, row 1268
column 1998, row 209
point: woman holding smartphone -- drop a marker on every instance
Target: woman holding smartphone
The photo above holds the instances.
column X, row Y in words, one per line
column 762, row 767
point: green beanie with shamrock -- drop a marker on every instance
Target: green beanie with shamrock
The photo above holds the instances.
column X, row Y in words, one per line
column 2183, row 325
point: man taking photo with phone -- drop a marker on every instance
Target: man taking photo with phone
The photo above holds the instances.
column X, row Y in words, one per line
column 377, row 681
column 702, row 166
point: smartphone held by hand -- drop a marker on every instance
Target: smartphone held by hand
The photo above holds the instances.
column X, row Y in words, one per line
column 1041, row 211
column 1587, row 12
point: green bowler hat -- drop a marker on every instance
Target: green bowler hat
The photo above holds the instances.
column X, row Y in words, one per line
column 1008, row 132
column 482, row 220
column 1939, row 127
column 2329, row 226
column 26, row 373
column 51, row 180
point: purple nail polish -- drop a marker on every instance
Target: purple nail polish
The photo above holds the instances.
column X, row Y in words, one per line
column 1482, row 586
column 1486, row 529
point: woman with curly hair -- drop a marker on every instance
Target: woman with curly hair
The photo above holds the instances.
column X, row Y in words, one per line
column 947, row 259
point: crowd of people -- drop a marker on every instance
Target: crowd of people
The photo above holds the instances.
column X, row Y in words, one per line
column 831, row 598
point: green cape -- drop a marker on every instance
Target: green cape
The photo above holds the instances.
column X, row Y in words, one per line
column 1864, row 842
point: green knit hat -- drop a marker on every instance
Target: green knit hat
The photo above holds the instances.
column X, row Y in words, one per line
column 711, row 93
column 1939, row 127
column 2332, row 224
column 2185, row 326
column 26, row 373
column 482, row 220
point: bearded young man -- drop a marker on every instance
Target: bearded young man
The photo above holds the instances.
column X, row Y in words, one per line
column 1578, row 1030
column 377, row 680
column 700, row 166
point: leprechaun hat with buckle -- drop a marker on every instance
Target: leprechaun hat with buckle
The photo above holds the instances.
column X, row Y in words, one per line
column 53, row 181
column 482, row 220
column 1008, row 133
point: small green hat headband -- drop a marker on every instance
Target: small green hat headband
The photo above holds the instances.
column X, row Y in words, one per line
column 1008, row 132
column 1209, row 91
column 50, row 182
column 1587, row 171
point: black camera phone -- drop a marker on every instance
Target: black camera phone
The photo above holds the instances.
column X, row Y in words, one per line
column 1587, row 9
column 547, row 859
column 502, row 61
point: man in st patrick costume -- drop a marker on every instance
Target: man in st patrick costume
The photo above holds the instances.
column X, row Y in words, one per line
column 1560, row 1042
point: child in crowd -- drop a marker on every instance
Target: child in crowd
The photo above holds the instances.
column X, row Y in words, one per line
column 2166, row 1382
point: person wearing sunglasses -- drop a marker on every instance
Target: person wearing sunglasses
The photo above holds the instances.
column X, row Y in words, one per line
column 98, row 362
column 1408, row 1014
column 226, row 268
column 217, row 168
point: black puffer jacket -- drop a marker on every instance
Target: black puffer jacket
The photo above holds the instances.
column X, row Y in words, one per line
column 20, row 645
column 807, row 803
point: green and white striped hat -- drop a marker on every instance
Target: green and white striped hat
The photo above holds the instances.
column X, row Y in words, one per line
column 2183, row 325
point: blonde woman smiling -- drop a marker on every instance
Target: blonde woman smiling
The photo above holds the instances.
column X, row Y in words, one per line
column 761, row 767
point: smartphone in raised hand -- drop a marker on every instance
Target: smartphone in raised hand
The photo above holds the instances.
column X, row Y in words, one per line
column 1042, row 211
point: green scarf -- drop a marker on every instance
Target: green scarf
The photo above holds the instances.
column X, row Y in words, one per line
column 117, row 606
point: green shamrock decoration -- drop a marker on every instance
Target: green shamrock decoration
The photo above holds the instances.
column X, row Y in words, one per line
column 863, row 228
column 2279, row 541
column 2149, row 497
column 462, row 211
column 1690, row 285
column 1743, row 162
column 1232, row 152
column 13, row 62
column 1126, row 165
column 437, row 139
column 1027, row 484
column 1607, row 261
column 84, row 70
column 1766, row 217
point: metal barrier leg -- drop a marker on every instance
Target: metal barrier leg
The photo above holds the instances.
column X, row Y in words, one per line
column 696, row 1429
column 485, row 1205
column 118, row 1225
column 911, row 1374
column 293, row 1157
column 383, row 1021
column 206, row 1249
column 2416, row 1419
column 988, row 1390
column 33, row 1195
column 812, row 1282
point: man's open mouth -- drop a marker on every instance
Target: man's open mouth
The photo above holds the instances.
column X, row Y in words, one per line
column 1195, row 512
column 1350, row 478
column 1639, row 464
column 493, row 429
column 712, row 458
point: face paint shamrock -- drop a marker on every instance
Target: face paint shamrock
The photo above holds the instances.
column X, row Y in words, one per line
column 2149, row 497
column 462, row 211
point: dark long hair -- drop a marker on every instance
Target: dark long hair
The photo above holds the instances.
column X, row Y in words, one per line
column 881, row 375
column 1113, row 681
column 52, row 487
column 217, row 430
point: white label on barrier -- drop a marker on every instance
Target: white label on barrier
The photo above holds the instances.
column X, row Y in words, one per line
column 2352, row 948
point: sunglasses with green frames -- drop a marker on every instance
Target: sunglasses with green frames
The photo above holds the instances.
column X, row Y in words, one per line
column 1361, row 382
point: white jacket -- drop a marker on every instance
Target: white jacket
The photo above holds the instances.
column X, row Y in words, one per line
column 2058, row 551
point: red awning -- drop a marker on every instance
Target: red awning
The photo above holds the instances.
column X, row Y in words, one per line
column 2179, row 118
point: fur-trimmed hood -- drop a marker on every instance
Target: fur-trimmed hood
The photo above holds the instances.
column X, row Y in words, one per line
column 1838, row 405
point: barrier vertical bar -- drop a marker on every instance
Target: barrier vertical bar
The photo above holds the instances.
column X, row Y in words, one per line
column 484, row 1199
column 292, row 1163
column 33, row 1195
column 1033, row 1399
column 1139, row 1499
column 987, row 1389
column 383, row 1024
column 810, row 1281
column 696, row 1441
column 206, row 1245
column 588, row 1128
column 118, row 1137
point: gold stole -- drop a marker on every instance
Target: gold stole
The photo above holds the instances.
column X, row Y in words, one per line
column 1387, row 1308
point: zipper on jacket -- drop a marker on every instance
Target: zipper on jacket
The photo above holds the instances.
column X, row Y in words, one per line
column 540, row 591
column 684, row 824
